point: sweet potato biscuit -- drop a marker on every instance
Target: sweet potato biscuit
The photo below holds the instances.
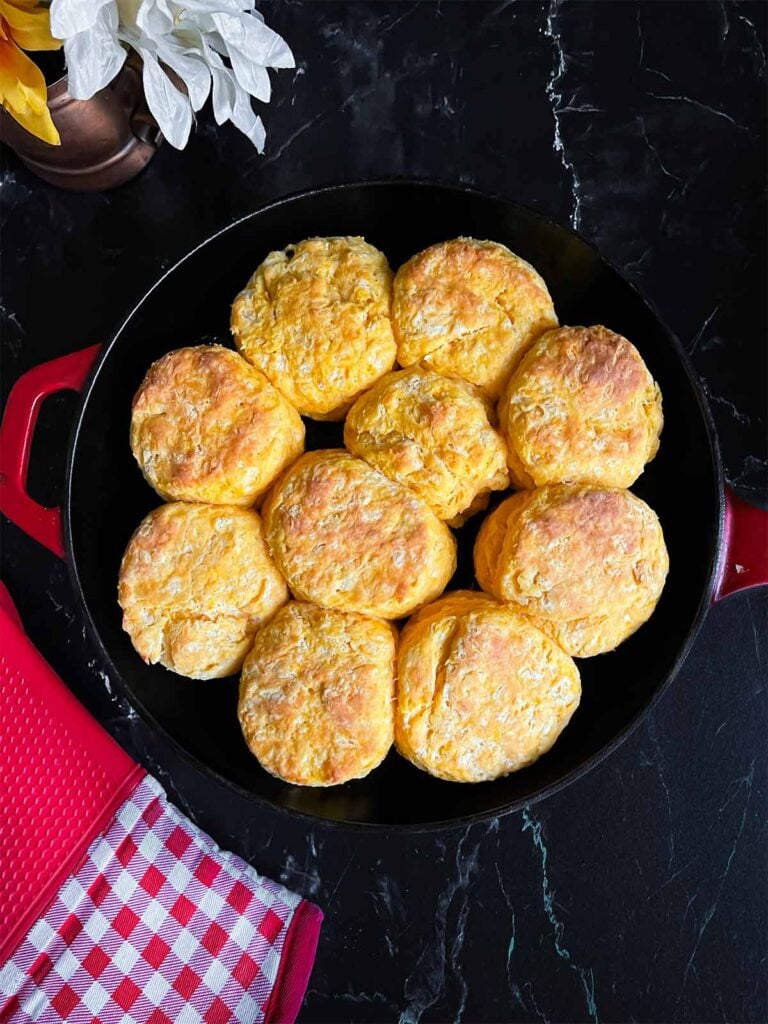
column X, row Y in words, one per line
column 433, row 435
column 469, row 309
column 317, row 695
column 345, row 536
column 587, row 565
column 206, row 426
column 481, row 691
column 315, row 319
column 195, row 582
column 581, row 408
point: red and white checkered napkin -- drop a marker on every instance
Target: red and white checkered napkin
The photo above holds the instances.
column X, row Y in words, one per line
column 149, row 921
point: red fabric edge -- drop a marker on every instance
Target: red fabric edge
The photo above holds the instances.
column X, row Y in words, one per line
column 296, row 965
column 71, row 863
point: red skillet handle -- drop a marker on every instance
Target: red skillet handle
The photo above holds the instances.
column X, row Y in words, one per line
column 744, row 559
column 16, row 433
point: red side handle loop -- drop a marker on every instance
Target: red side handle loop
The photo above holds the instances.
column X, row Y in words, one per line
column 16, row 433
column 744, row 557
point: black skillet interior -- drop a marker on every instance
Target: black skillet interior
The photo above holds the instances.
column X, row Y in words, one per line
column 107, row 496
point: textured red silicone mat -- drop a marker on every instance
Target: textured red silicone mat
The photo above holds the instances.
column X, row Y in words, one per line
column 61, row 778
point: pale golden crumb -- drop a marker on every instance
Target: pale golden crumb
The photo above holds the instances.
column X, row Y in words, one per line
column 195, row 583
column 587, row 565
column 315, row 319
column 581, row 408
column 432, row 434
column 345, row 536
column 317, row 695
column 469, row 309
column 481, row 691
column 206, row 426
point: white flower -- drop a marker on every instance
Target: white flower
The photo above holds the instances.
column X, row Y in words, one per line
column 221, row 47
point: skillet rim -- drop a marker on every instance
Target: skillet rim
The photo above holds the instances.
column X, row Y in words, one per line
column 714, row 555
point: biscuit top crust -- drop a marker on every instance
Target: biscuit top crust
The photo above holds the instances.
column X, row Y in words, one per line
column 564, row 552
column 431, row 434
column 348, row 537
column 317, row 694
column 482, row 691
column 195, row 582
column 207, row 426
column 315, row 318
column 468, row 308
column 581, row 408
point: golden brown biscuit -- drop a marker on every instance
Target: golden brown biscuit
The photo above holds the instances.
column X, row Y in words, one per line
column 587, row 565
column 469, row 309
column 315, row 319
column 206, row 426
column 345, row 536
column 581, row 408
column 195, row 583
column 317, row 695
column 432, row 434
column 481, row 691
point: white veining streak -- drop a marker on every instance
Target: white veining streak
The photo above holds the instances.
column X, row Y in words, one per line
column 752, row 465
column 640, row 120
column 556, row 102
column 659, row 764
column 427, row 982
column 513, row 986
column 586, row 975
column 701, row 106
column 744, row 783
column 740, row 417
column 702, row 329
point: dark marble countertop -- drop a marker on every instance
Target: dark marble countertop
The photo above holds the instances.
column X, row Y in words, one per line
column 639, row 892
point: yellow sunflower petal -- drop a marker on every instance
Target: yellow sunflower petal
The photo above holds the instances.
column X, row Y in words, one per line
column 31, row 29
column 23, row 92
column 24, row 5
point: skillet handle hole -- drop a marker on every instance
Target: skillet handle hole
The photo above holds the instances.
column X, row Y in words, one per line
column 48, row 458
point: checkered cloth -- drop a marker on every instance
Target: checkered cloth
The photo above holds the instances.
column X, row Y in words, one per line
column 159, row 926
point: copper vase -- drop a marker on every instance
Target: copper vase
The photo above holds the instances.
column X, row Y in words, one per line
column 105, row 141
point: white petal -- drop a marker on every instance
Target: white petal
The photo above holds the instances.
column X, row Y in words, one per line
column 223, row 83
column 255, row 40
column 216, row 42
column 199, row 7
column 223, row 94
column 190, row 67
column 244, row 118
column 155, row 18
column 69, row 17
column 94, row 56
column 253, row 77
column 170, row 108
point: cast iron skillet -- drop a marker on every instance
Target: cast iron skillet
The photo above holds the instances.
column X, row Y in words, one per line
column 106, row 495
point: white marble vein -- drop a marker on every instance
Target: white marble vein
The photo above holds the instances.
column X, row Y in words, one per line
column 586, row 975
column 556, row 102
column 701, row 106
column 726, row 403
column 425, row 985
column 743, row 783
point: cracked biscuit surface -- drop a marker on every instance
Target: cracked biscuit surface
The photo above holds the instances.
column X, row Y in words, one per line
column 482, row 692
column 317, row 695
column 433, row 435
column 581, row 408
column 315, row 319
column 587, row 565
column 195, row 583
column 206, row 426
column 345, row 536
column 469, row 309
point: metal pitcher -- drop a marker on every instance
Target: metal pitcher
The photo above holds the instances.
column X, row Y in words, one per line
column 105, row 141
